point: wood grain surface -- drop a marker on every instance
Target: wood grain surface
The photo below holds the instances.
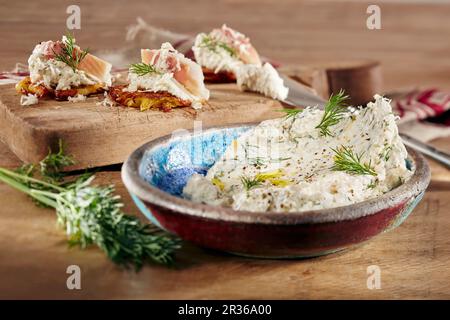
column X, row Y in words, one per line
column 414, row 258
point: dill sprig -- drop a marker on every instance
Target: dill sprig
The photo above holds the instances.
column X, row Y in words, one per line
column 26, row 169
column 260, row 161
column 141, row 69
column 214, row 44
column 346, row 160
column 386, row 153
column 334, row 110
column 372, row 185
column 291, row 113
column 93, row 215
column 250, row 183
column 257, row 161
column 273, row 177
column 52, row 165
column 50, row 169
column 71, row 54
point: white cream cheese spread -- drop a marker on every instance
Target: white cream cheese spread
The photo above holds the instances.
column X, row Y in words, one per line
column 217, row 59
column 162, row 82
column 265, row 80
column 287, row 165
column 28, row 100
column 77, row 98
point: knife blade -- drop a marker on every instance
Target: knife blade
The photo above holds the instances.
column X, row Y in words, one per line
column 300, row 95
column 434, row 153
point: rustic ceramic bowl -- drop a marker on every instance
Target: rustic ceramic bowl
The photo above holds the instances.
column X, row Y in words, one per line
column 156, row 172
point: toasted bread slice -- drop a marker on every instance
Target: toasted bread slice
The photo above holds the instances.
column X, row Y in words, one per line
column 145, row 100
column 39, row 90
column 85, row 90
column 219, row 77
column 25, row 87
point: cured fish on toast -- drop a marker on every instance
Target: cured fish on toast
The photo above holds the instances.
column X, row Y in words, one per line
column 62, row 70
column 164, row 79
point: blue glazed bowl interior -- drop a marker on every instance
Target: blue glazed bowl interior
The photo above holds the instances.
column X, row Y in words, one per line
column 169, row 166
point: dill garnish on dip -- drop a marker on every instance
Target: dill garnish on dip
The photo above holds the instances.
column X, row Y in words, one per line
column 308, row 159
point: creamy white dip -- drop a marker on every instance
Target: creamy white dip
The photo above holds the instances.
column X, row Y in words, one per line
column 55, row 74
column 265, row 80
column 297, row 162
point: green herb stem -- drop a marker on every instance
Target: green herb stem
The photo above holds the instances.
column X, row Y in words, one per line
column 214, row 45
column 141, row 69
column 334, row 111
column 250, row 183
column 30, row 179
column 71, row 54
column 25, row 189
column 291, row 113
column 346, row 160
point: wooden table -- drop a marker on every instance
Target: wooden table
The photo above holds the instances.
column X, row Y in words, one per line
column 414, row 259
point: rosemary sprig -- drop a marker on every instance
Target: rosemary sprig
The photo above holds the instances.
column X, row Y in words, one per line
column 291, row 113
column 141, row 69
column 214, row 45
column 71, row 54
column 346, row 160
column 334, row 110
column 93, row 215
column 250, row 183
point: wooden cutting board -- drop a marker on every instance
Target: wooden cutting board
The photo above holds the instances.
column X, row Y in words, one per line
column 97, row 135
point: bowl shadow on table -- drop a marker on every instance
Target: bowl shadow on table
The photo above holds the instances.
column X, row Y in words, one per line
column 193, row 256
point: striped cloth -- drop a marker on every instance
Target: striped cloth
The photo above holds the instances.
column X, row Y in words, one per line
column 424, row 113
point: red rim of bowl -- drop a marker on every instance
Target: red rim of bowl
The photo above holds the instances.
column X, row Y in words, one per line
column 150, row 194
